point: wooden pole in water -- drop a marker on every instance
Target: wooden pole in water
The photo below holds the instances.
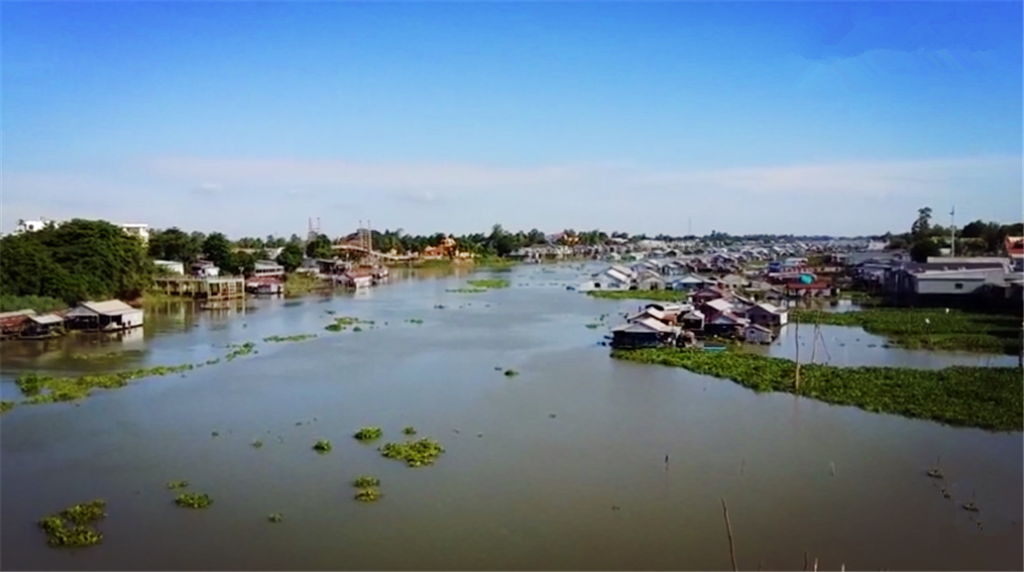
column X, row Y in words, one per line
column 815, row 565
column 728, row 530
column 797, row 336
column 805, row 561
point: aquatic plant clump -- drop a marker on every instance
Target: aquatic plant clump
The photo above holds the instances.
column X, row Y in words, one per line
column 322, row 446
column 72, row 527
column 240, row 350
column 369, row 433
column 414, row 321
column 655, row 295
column 193, row 500
column 343, row 323
column 415, row 453
column 465, row 290
column 177, row 484
column 985, row 397
column 409, row 430
column 365, row 482
column 491, row 283
column 295, row 338
column 511, row 373
column 50, row 389
column 368, row 495
column 6, row 406
column 275, row 517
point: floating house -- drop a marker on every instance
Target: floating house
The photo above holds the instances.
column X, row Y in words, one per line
column 645, row 332
column 757, row 334
column 41, row 327
column 107, row 316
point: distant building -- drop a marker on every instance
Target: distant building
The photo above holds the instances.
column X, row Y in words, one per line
column 170, row 266
column 140, row 231
column 268, row 269
column 111, row 315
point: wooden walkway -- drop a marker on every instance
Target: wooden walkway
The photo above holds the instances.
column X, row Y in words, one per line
column 202, row 288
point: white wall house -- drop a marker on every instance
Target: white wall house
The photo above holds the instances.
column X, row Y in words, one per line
column 172, row 266
column 141, row 231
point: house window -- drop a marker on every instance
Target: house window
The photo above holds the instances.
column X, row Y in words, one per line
column 958, row 286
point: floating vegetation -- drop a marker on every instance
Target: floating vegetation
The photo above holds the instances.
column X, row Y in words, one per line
column 415, row 453
column 214, row 433
column 213, row 361
column 971, row 506
column 369, row 433
column 656, row 295
column 593, row 326
column 466, row 290
column 490, row 283
column 984, row 397
column 439, row 306
column 193, row 500
column 177, row 484
column 275, row 517
column 73, row 525
column 343, row 323
column 511, row 373
column 295, row 338
column 240, row 350
column 365, row 482
column 933, row 329
column 50, row 389
column 357, row 329
column 935, row 472
column 414, row 321
column 409, row 430
column 322, row 446
column 368, row 495
column 106, row 355
column 257, row 443
column 6, row 406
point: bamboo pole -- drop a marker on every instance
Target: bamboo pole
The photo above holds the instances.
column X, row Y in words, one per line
column 728, row 530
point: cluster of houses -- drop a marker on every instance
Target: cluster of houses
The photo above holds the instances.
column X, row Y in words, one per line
column 994, row 281
column 710, row 312
column 106, row 316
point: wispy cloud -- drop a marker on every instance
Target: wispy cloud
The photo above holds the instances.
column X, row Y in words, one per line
column 208, row 189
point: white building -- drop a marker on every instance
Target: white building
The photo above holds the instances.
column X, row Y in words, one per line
column 138, row 230
column 172, row 266
column 33, row 225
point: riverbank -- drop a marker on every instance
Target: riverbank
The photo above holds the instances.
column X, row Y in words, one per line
column 984, row 397
column 932, row 329
column 654, row 295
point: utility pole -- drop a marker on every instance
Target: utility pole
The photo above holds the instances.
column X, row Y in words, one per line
column 952, row 231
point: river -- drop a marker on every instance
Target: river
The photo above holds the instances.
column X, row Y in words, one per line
column 560, row 467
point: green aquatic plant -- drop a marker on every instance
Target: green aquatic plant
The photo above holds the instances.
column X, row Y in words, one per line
column 365, row 482
column 213, row 361
column 344, row 322
column 985, row 397
column 357, row 329
column 240, row 350
column 177, row 484
column 655, row 295
column 6, row 406
column 295, row 338
column 257, row 443
column 490, row 283
column 73, row 526
column 593, row 326
column 415, row 453
column 41, row 388
column 193, row 500
column 511, row 373
column 466, row 290
column 275, row 517
column 410, row 430
column 414, row 321
column 367, row 495
column 369, row 433
column 322, row 446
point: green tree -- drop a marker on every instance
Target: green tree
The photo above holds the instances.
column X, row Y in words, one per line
column 217, row 249
column 174, row 244
column 922, row 224
column 320, row 247
column 291, row 257
column 922, row 248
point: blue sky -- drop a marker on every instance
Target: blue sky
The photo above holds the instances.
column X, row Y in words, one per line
column 798, row 118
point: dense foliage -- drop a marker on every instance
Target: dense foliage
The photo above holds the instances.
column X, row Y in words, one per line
column 985, row 397
column 656, row 295
column 974, row 239
column 78, row 260
column 936, row 329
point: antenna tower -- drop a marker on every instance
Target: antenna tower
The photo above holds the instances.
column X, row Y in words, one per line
column 952, row 231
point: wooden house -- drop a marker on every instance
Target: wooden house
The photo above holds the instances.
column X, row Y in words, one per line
column 107, row 316
column 768, row 315
column 42, row 327
column 757, row 334
column 645, row 332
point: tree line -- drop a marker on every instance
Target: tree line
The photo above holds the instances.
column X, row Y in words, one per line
column 977, row 238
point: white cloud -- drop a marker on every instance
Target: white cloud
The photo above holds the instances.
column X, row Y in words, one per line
column 209, row 188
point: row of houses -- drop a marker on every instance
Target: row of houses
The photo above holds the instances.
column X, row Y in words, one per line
column 711, row 312
column 106, row 316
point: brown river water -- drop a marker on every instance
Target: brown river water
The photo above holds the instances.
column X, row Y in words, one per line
column 559, row 468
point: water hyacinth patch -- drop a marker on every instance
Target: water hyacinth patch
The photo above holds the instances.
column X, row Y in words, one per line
column 414, row 321
column 410, row 430
column 6, row 406
column 193, row 500
column 50, row 389
column 511, row 373
column 369, row 433
column 322, row 446
column 465, row 290
column 177, row 484
column 367, row 495
column 985, row 397
column 491, row 283
column 241, row 350
column 343, row 323
column 415, row 453
column 365, row 482
column 72, row 527
column 275, row 517
column 295, row 338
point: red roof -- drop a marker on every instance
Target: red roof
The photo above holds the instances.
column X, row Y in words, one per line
column 1015, row 245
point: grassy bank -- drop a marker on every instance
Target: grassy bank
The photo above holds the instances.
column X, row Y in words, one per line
column 297, row 284
column 40, row 304
column 656, row 295
column 983, row 397
column 933, row 329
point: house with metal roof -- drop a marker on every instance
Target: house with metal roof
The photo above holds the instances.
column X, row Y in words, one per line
column 106, row 316
column 644, row 332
